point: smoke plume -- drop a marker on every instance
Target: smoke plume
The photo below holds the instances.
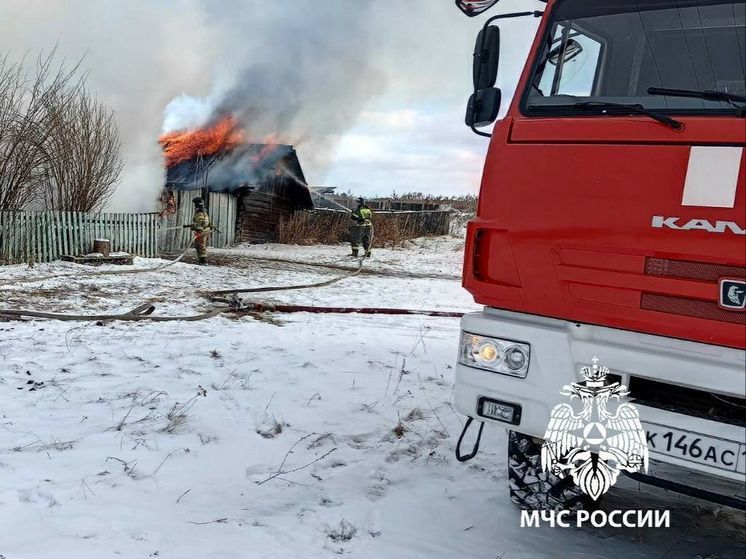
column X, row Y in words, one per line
column 299, row 71
column 301, row 77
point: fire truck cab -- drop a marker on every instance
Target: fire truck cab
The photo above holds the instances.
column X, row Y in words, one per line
column 612, row 225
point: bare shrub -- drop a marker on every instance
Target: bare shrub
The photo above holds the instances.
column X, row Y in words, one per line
column 415, row 414
column 391, row 233
column 391, row 229
column 342, row 533
column 400, row 430
column 306, row 228
column 129, row 467
column 178, row 413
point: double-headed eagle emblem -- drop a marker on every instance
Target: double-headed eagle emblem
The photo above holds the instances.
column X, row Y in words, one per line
column 591, row 442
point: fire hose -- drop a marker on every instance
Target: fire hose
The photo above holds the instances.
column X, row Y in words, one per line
column 217, row 293
column 212, row 294
column 143, row 312
column 235, row 305
column 115, row 272
column 271, row 307
column 104, row 272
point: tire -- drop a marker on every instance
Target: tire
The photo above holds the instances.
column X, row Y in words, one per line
column 533, row 489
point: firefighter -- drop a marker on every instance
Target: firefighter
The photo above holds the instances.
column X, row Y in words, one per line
column 362, row 228
column 201, row 227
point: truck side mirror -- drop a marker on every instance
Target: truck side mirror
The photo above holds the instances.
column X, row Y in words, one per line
column 475, row 7
column 483, row 107
column 486, row 57
column 568, row 51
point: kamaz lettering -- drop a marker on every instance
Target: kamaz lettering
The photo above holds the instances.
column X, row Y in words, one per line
column 660, row 222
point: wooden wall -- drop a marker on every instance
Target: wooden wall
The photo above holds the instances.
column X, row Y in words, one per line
column 259, row 216
column 222, row 210
column 261, row 211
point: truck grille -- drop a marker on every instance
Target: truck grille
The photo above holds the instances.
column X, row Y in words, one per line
column 682, row 269
column 688, row 401
column 690, row 307
column 683, row 306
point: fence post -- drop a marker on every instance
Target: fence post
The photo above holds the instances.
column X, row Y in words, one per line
column 45, row 244
column 15, row 227
column 153, row 235
column 128, row 229
column 136, row 235
column 144, row 234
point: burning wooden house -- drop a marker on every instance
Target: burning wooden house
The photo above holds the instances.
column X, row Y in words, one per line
column 248, row 187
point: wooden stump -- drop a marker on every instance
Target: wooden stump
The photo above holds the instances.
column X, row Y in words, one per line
column 102, row 246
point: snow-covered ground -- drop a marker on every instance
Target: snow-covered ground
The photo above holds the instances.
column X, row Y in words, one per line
column 304, row 436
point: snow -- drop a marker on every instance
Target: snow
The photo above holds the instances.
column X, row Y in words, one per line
column 140, row 439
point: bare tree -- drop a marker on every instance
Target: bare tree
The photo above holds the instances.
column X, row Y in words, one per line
column 59, row 146
column 84, row 163
column 21, row 133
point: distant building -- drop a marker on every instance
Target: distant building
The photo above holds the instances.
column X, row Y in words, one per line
column 402, row 205
column 327, row 197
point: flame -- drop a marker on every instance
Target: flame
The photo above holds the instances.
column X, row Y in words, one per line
column 187, row 144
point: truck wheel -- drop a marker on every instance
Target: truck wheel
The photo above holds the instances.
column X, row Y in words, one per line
column 533, row 489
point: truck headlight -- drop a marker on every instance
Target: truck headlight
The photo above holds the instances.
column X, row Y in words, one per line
column 493, row 354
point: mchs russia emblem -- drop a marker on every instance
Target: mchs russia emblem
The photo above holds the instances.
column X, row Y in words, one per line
column 596, row 435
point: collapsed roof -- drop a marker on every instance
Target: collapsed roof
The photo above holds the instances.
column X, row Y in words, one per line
column 256, row 167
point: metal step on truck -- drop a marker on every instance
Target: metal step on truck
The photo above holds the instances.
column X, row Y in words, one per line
column 611, row 230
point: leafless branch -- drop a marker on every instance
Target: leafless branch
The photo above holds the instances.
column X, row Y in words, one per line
column 281, row 472
column 59, row 145
column 218, row 521
column 169, row 455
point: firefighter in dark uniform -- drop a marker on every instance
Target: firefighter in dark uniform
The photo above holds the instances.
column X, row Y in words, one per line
column 201, row 227
column 362, row 228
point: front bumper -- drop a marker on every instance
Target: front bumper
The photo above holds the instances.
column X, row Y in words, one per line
column 559, row 349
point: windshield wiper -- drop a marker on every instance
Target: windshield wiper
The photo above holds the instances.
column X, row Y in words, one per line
column 628, row 109
column 709, row 94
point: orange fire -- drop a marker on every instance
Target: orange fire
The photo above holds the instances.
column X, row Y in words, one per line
column 187, row 144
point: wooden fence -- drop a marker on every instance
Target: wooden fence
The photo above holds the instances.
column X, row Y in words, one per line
column 45, row 236
column 222, row 210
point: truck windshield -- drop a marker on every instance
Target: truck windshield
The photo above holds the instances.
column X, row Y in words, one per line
column 613, row 51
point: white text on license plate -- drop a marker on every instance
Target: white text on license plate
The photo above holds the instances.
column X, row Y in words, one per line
column 695, row 447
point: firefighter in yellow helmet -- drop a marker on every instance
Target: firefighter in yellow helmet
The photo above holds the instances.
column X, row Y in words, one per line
column 362, row 228
column 201, row 227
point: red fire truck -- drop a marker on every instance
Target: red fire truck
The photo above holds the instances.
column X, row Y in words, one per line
column 612, row 223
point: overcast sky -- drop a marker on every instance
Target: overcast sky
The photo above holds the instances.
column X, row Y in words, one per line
column 375, row 89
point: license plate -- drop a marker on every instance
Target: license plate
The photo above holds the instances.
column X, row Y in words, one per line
column 491, row 409
column 501, row 411
column 696, row 447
